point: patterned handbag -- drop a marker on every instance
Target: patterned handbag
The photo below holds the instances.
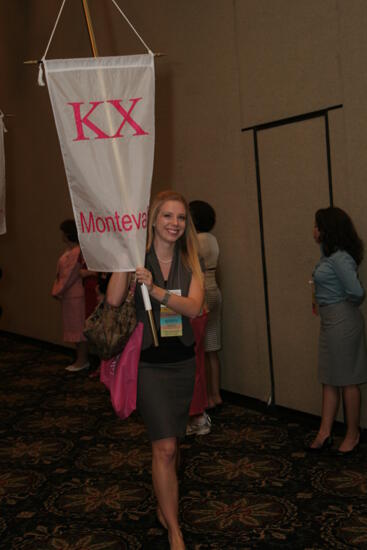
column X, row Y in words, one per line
column 109, row 328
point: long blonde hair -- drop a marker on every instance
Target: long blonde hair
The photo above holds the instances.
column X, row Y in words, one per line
column 188, row 242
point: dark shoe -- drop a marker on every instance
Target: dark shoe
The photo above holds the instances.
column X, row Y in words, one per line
column 326, row 444
column 353, row 451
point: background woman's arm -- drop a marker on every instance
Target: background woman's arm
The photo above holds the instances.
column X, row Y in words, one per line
column 67, row 275
column 346, row 271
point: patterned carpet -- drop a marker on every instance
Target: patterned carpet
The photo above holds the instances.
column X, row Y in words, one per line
column 74, row 477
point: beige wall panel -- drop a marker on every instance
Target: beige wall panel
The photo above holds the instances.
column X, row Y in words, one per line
column 294, row 184
column 245, row 336
column 288, row 61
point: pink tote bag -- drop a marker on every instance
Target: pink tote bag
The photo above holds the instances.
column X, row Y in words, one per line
column 120, row 374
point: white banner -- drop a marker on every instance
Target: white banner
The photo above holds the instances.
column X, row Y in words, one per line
column 2, row 177
column 104, row 113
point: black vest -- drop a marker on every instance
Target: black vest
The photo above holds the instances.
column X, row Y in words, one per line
column 179, row 278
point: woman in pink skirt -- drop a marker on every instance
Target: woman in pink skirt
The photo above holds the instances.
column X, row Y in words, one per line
column 68, row 288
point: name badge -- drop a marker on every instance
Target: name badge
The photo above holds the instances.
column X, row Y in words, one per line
column 170, row 321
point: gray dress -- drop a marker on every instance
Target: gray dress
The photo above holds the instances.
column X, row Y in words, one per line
column 166, row 379
column 342, row 341
column 342, row 345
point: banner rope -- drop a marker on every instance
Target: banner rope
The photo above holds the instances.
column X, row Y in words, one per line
column 41, row 81
column 53, row 30
column 132, row 26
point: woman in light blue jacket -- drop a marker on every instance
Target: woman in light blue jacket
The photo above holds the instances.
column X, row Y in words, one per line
column 342, row 364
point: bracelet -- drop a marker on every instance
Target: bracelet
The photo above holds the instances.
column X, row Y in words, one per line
column 166, row 298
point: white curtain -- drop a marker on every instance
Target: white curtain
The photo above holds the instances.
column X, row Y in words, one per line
column 2, row 177
column 104, row 114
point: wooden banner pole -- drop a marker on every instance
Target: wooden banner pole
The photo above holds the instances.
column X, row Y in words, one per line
column 90, row 28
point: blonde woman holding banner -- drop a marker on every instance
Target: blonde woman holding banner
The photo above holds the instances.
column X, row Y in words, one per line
column 174, row 279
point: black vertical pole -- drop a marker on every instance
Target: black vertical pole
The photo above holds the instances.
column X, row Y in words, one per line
column 328, row 156
column 265, row 277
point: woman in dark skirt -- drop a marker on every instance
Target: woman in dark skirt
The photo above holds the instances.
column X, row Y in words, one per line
column 174, row 279
column 342, row 345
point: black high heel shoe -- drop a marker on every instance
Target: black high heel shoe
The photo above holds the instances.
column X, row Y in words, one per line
column 353, row 451
column 326, row 444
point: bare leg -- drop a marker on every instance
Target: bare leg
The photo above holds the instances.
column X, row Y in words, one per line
column 330, row 405
column 178, row 456
column 214, row 397
column 160, row 516
column 166, row 487
column 352, row 402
